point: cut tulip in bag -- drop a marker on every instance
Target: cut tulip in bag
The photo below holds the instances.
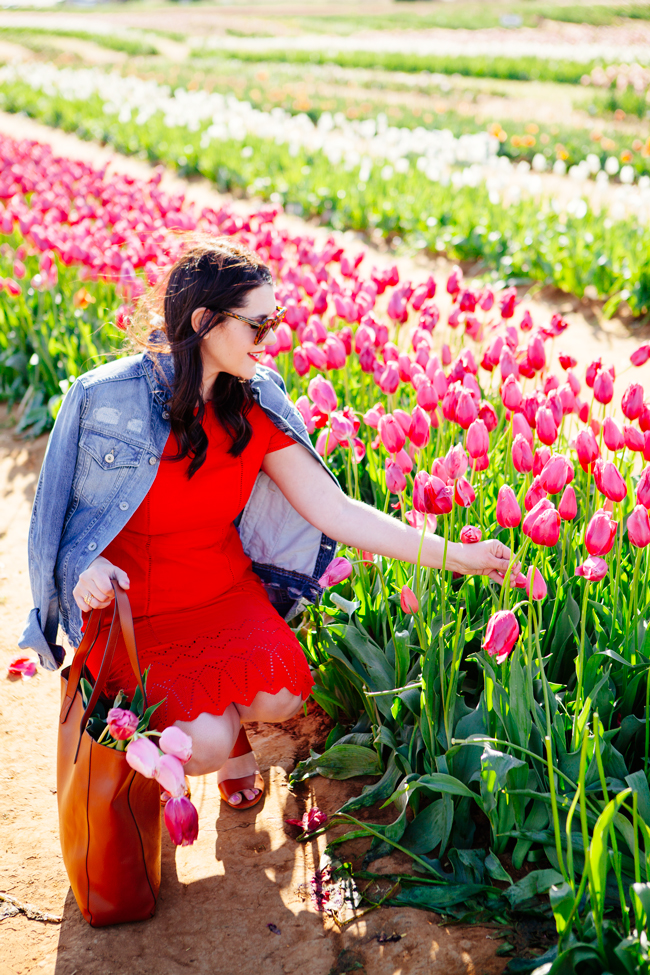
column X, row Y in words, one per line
column 109, row 815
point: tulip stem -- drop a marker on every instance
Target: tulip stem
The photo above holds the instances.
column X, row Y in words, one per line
column 441, row 642
column 618, row 575
column 581, row 666
column 631, row 620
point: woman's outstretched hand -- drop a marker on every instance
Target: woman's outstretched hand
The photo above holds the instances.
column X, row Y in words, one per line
column 490, row 558
column 94, row 590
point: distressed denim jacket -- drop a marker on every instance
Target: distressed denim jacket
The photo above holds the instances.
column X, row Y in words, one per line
column 101, row 460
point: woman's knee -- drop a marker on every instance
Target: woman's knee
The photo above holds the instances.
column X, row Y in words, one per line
column 271, row 707
column 213, row 737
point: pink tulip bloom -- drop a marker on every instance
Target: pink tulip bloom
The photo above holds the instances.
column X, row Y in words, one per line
column 533, row 514
column 374, row 415
column 171, row 775
column 122, row 724
column 586, row 448
column 554, row 474
column 501, row 634
column 643, row 488
column 477, row 439
column 322, row 394
column 480, row 463
column 466, row 409
column 408, row 600
column 404, row 420
column 603, row 387
column 545, row 529
column 641, row 355
column 143, row 756
column 455, row 462
column 470, row 535
column 632, row 401
column 358, row 450
column 21, row 666
column 488, row 415
column 438, row 497
column 511, row 395
column 546, row 426
column 601, row 533
column 592, row 569
column 337, row 571
column 419, row 430
column 342, row 426
column 416, row 520
column 520, row 426
column 301, row 363
column 610, row 481
column 522, row 455
column 535, row 353
column 568, row 506
column 395, row 480
column 539, row 589
column 315, row 356
column 427, row 398
column 175, row 742
column 634, row 439
column 507, row 302
column 326, row 442
column 391, row 434
column 614, row 439
column 464, row 493
column 638, row 527
column 388, row 380
column 508, row 510
column 335, row 353
column 182, row 821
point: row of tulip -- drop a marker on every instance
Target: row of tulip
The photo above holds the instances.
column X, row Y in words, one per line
column 441, row 402
column 567, row 244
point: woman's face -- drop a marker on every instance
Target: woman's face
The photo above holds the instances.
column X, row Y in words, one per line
column 230, row 347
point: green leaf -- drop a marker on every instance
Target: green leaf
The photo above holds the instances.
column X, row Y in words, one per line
column 438, row 899
column 431, row 828
column 598, row 855
column 441, row 782
column 641, row 903
column 339, row 762
column 536, row 882
column 496, row 870
column 562, row 900
column 378, row 792
column 402, row 656
column 639, row 784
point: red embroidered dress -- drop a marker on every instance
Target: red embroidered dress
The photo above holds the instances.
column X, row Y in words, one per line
column 203, row 622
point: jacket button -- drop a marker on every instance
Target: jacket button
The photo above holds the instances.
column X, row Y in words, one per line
column 123, row 505
column 165, row 415
column 92, row 546
column 152, row 461
column 109, row 458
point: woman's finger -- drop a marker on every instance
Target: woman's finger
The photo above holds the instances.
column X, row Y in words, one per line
column 122, row 578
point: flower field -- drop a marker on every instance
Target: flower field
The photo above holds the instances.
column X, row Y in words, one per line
column 506, row 727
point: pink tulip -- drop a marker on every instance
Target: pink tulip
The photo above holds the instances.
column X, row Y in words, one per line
column 337, row 571
column 175, row 742
column 427, row 398
column 520, row 426
column 408, row 600
column 315, row 356
column 643, row 488
column 522, row 455
column 395, row 480
column 419, row 430
column 440, row 469
column 143, row 756
column 511, row 394
column 546, row 426
column 641, row 355
column 538, row 585
column 535, row 353
column 508, row 510
column 480, row 463
column 403, row 461
column 554, row 474
column 488, row 415
column 419, row 499
column 21, row 666
column 501, row 634
column 466, row 409
column 342, row 426
column 592, row 569
column 171, row 775
column 464, row 493
column 541, row 458
column 586, row 448
column 603, row 387
column 601, row 533
column 455, row 462
column 477, row 439
column 634, row 439
column 121, row 723
column 389, row 379
column 335, row 352
column 610, row 481
column 632, row 401
column 301, row 363
column 612, row 436
column 568, row 506
column 182, row 821
column 507, row 302
column 312, row 820
column 322, row 394
column 638, row 527
column 416, row 520
column 374, row 415
column 545, row 529
column 390, row 431
column 470, row 535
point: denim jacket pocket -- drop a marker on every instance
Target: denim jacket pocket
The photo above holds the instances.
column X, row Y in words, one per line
column 103, row 464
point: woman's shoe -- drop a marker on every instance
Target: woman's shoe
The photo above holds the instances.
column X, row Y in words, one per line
column 248, row 780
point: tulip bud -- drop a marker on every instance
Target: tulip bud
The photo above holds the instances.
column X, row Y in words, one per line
column 533, row 513
column 175, row 742
column 634, row 439
column 487, row 413
column 638, row 527
column 122, row 724
column 534, row 495
column 641, row 355
column 546, row 426
column 511, row 394
column 614, row 439
column 545, row 529
column 539, row 588
column 507, row 302
column 388, row 380
column 477, row 439
column 592, row 569
column 395, row 480
column 508, row 510
column 522, row 455
column 610, row 482
column 470, row 535
column 567, row 361
column 540, row 459
column 554, row 474
column 143, row 756
column 464, row 493
column 632, row 401
column 439, row 497
column 182, row 821
column 419, row 429
column 466, row 409
column 600, row 534
column 643, row 488
column 392, row 436
column 535, row 353
column 408, row 600
column 586, row 448
column 568, row 506
column 455, row 463
column 603, row 387
column 322, row 394
column 480, row 463
column 520, row 425
column 501, row 634
column 337, row 571
column 592, row 371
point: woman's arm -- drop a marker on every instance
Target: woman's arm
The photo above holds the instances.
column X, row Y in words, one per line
column 313, row 494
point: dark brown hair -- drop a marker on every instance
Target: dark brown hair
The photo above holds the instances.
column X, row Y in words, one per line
column 216, row 274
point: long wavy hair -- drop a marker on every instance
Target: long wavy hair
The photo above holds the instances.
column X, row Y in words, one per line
column 216, row 274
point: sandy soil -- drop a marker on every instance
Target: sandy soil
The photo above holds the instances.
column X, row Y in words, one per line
column 219, row 896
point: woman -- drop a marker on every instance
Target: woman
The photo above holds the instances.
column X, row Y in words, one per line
column 152, row 461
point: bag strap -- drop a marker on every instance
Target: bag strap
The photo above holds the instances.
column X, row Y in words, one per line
column 81, row 655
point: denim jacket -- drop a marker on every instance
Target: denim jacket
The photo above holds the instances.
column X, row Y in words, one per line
column 101, row 460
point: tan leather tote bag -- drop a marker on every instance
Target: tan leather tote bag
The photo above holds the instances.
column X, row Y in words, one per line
column 109, row 815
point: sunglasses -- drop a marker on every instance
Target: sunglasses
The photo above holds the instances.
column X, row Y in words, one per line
column 264, row 327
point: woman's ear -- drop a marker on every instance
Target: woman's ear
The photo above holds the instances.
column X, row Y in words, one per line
column 197, row 318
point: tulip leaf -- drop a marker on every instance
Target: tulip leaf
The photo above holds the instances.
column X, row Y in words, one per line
column 639, row 784
column 431, row 827
column 496, row 870
column 536, row 882
column 434, row 898
column 376, row 793
column 339, row 762
column 562, row 899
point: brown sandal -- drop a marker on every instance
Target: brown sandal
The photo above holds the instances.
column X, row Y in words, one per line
column 253, row 780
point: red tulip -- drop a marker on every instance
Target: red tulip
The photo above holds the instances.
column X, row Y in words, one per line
column 641, row 355
column 122, row 724
column 395, row 480
column 408, row 600
column 511, row 394
column 454, row 281
column 464, row 493
column 545, row 529
column 420, row 500
column 337, row 571
column 592, row 371
column 21, row 666
column 480, row 463
column 455, row 462
column 643, row 488
column 541, row 458
column 603, row 387
column 526, row 322
column 586, row 448
column 632, row 401
column 546, row 426
column 539, row 588
column 508, row 511
column 612, row 436
column 567, row 361
column 477, row 439
column 466, row 409
column 568, row 506
column 644, row 418
column 535, row 353
column 634, row 439
column 638, row 527
column 534, row 494
column 488, row 415
column 182, row 821
column 533, row 514
column 592, row 569
column 419, row 429
column 611, row 483
column 501, row 634
column 470, row 535
column 439, row 497
column 600, row 534
column 520, row 425
column 555, row 473
column 507, row 302
column 522, row 455
column 392, row 436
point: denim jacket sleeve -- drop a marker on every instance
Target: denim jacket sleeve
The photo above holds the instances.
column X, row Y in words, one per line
column 46, row 528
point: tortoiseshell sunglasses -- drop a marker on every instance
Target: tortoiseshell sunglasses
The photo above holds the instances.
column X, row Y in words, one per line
column 262, row 328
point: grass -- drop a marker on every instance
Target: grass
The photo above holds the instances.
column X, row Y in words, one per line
column 130, row 46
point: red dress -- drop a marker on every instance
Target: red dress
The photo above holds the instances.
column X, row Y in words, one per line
column 203, row 621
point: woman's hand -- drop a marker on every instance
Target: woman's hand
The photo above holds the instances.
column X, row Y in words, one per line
column 490, row 558
column 94, row 589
